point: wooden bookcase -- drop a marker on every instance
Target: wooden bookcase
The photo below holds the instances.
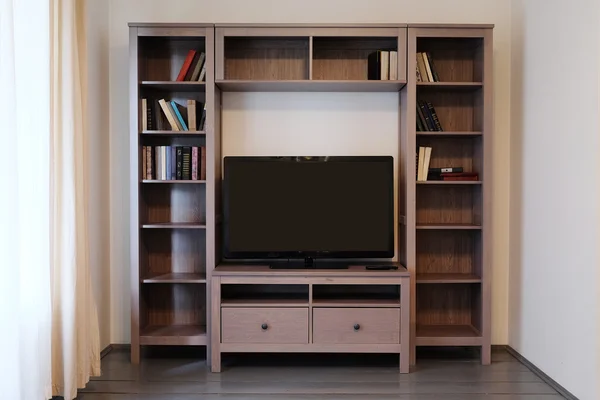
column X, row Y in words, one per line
column 447, row 225
column 172, row 220
column 444, row 229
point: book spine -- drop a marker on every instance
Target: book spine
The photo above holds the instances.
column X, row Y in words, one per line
column 173, row 172
column 175, row 108
column 186, row 65
column 149, row 162
column 186, row 165
column 194, row 163
column 144, row 162
column 179, row 170
column 203, row 163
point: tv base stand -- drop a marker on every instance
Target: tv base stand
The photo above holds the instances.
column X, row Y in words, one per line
column 261, row 310
column 307, row 263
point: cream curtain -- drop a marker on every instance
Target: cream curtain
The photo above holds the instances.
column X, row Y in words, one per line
column 75, row 333
column 49, row 323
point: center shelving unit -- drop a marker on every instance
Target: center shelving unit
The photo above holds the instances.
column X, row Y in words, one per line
column 444, row 229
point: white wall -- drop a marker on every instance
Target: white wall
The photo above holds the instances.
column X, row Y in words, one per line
column 323, row 132
column 555, row 203
column 96, row 19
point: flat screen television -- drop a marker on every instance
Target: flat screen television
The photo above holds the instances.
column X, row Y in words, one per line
column 308, row 208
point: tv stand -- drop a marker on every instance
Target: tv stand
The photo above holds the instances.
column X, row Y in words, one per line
column 258, row 309
column 307, row 263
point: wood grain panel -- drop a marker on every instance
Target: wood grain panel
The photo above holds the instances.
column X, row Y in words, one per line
column 282, row 325
column 448, row 252
column 259, row 58
column 454, row 58
column 447, row 204
column 161, row 58
column 345, row 58
column 442, row 304
column 337, row 325
column 173, row 203
column 174, row 251
column 174, row 304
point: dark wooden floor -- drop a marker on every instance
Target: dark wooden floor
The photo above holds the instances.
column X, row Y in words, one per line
column 446, row 376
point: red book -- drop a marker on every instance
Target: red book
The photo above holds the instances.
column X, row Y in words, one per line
column 186, row 65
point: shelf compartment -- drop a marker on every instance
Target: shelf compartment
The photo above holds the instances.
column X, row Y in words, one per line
column 266, row 58
column 443, row 312
column 310, row 86
column 448, row 335
column 174, row 335
column 173, row 206
column 172, row 255
column 265, row 295
column 173, row 314
column 358, row 295
column 449, row 205
column 455, row 59
column 161, row 58
column 345, row 58
column 448, row 256
column 158, row 122
column 457, row 110
column 465, row 152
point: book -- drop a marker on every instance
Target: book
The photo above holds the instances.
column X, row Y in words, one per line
column 186, row 65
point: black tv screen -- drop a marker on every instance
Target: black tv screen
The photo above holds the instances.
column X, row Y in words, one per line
column 295, row 207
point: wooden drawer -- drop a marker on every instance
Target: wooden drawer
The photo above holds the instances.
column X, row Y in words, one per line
column 264, row 325
column 356, row 325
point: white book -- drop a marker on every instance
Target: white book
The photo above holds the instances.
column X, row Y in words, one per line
column 393, row 65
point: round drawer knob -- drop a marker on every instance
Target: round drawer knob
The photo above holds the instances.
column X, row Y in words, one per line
column 356, row 327
column 264, row 327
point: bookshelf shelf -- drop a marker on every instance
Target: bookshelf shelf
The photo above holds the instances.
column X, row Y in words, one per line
column 448, row 134
column 448, row 335
column 174, row 225
column 173, row 181
column 310, row 86
column 174, row 335
column 449, row 85
column 173, row 133
column 177, row 277
column 449, row 183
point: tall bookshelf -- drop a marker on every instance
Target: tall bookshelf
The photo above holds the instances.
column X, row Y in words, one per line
column 172, row 217
column 448, row 222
